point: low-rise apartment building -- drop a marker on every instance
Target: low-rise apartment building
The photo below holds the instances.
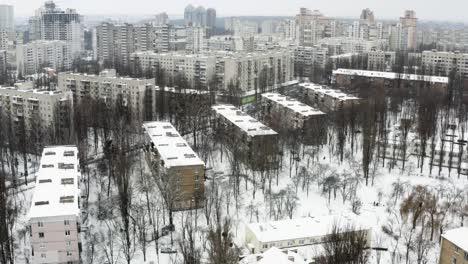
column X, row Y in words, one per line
column 252, row 141
column 441, row 62
column 54, row 217
column 289, row 115
column 109, row 88
column 42, row 107
column 180, row 173
column 327, row 99
column 381, row 60
column 31, row 58
column 454, row 246
column 346, row 78
column 259, row 237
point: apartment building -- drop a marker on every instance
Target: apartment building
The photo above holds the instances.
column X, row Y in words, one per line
column 134, row 92
column 451, row 152
column 225, row 43
column 327, row 99
column 346, row 78
column 305, row 58
column 3, row 63
column 198, row 69
column 4, row 40
column 196, row 39
column 439, row 62
column 252, row 141
column 116, row 42
column 454, row 246
column 299, row 232
column 52, row 23
column 31, row 58
column 342, row 45
column 289, row 115
column 179, row 171
column 38, row 106
column 255, row 71
column 54, row 217
column 380, row 60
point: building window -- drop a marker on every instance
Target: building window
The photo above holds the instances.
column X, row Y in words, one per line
column 42, row 246
column 43, row 255
column 290, row 243
column 466, row 256
column 66, row 222
column 69, row 253
column 40, row 224
column 68, row 243
column 67, row 232
column 41, row 235
column 265, row 246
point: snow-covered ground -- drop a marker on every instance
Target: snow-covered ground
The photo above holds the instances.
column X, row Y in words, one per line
column 380, row 206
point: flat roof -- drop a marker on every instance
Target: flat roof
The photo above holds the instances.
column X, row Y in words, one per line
column 305, row 227
column 324, row 90
column 57, row 183
column 458, row 236
column 183, row 90
column 246, row 123
column 292, row 104
column 172, row 148
column 392, row 75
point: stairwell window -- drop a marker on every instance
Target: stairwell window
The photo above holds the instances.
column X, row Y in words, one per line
column 67, row 232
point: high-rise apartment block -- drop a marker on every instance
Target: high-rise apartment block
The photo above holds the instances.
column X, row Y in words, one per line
column 200, row 17
column 161, row 19
column 403, row 35
column 54, row 216
column 52, row 23
column 32, row 57
column 7, row 20
column 259, row 71
column 197, row 69
column 115, row 43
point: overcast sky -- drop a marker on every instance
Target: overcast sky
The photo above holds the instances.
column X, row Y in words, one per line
column 452, row 10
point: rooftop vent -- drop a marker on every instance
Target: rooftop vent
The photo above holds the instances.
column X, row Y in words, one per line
column 66, row 166
column 67, row 199
column 68, row 181
column 69, row 153
column 41, row 203
column 172, row 158
column 190, row 155
column 49, row 153
column 47, row 166
column 45, row 180
column 163, row 145
column 181, row 145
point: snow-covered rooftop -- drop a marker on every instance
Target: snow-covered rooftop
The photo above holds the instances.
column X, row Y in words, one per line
column 323, row 90
column 459, row 237
column 292, row 104
column 172, row 148
column 303, row 227
column 274, row 256
column 246, row 123
column 182, row 91
column 392, row 75
column 57, row 184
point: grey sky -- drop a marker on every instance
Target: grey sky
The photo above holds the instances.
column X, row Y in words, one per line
column 453, row 10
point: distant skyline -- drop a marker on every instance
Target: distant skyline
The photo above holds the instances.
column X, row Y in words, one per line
column 449, row 10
